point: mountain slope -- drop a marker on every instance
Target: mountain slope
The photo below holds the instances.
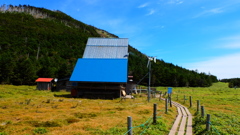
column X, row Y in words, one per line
column 36, row 42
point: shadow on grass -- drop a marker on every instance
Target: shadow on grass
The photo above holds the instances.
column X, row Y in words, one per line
column 85, row 97
column 63, row 95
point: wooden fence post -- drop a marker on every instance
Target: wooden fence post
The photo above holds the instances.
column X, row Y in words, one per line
column 129, row 126
column 208, row 122
column 190, row 100
column 160, row 97
column 166, row 105
column 170, row 98
column 202, row 111
column 154, row 113
column 198, row 106
column 184, row 99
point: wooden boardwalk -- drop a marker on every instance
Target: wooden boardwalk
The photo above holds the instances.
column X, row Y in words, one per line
column 183, row 121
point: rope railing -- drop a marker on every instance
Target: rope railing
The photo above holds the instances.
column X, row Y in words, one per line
column 141, row 125
column 145, row 125
column 215, row 129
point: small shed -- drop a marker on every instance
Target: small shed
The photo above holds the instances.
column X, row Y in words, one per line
column 44, row 83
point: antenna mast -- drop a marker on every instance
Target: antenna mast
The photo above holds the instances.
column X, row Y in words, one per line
column 149, row 73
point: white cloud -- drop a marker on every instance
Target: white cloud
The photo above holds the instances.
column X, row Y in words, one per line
column 175, row 2
column 143, row 5
column 236, row 37
column 210, row 12
column 151, row 11
column 91, row 2
column 223, row 67
column 180, row 2
column 158, row 27
column 215, row 10
column 114, row 22
column 233, row 45
column 232, row 42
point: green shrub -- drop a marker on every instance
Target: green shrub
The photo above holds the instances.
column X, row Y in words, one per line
column 72, row 120
column 40, row 130
column 145, row 111
column 55, row 123
column 85, row 115
column 3, row 133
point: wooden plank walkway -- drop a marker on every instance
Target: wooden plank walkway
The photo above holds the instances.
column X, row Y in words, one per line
column 183, row 121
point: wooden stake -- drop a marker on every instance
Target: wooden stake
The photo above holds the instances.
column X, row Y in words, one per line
column 129, row 126
column 202, row 111
column 154, row 113
column 190, row 100
column 198, row 106
column 208, row 122
column 166, row 105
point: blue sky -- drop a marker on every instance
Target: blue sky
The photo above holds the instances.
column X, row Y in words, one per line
column 201, row 35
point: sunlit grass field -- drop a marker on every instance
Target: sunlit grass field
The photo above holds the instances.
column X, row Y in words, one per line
column 221, row 102
column 26, row 111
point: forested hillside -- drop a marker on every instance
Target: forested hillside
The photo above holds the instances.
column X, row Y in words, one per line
column 232, row 83
column 36, row 42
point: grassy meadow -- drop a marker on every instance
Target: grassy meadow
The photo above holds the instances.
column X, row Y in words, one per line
column 221, row 102
column 26, row 111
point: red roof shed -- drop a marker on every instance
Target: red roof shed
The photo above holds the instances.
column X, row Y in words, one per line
column 44, row 83
column 44, row 79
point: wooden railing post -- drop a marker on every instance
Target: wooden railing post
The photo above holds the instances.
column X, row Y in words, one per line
column 129, row 125
column 208, row 122
column 202, row 111
column 184, row 98
column 166, row 105
column 154, row 113
column 170, row 98
column 198, row 106
column 190, row 101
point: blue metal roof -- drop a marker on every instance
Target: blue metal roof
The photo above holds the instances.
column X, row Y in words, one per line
column 100, row 70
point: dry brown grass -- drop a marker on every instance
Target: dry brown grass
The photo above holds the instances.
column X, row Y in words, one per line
column 67, row 116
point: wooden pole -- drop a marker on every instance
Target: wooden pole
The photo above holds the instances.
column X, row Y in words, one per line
column 154, row 113
column 170, row 98
column 184, row 99
column 208, row 122
column 202, row 111
column 129, row 126
column 149, row 81
column 190, row 100
column 198, row 106
column 166, row 105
